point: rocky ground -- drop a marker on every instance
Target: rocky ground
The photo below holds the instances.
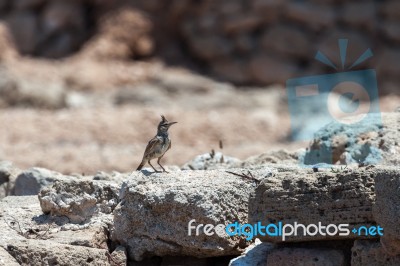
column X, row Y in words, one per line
column 74, row 129
column 116, row 218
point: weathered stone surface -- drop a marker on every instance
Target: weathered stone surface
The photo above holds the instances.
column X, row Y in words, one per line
column 255, row 254
column 22, row 218
column 308, row 198
column 142, row 220
column 386, row 209
column 211, row 161
column 16, row 215
column 42, row 252
column 31, row 181
column 79, row 200
column 367, row 252
column 119, row 256
column 304, row 256
column 374, row 141
column 6, row 259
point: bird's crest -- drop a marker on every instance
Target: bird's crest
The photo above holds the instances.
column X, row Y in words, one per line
column 163, row 120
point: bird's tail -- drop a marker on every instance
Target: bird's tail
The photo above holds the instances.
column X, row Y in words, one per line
column 140, row 166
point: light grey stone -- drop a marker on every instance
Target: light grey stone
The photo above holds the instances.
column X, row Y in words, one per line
column 153, row 215
column 79, row 200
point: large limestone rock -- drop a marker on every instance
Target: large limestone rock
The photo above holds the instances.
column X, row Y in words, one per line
column 386, row 209
column 153, row 215
column 79, row 200
column 306, row 197
column 366, row 252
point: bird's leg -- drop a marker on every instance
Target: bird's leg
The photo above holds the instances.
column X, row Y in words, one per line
column 153, row 167
column 158, row 162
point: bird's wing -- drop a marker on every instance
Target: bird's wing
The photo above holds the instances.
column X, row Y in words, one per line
column 152, row 143
column 169, row 147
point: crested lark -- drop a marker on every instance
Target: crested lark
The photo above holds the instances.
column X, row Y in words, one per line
column 157, row 146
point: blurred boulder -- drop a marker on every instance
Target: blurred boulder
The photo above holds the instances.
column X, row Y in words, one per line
column 31, row 181
column 371, row 252
column 121, row 34
column 374, row 140
column 24, row 28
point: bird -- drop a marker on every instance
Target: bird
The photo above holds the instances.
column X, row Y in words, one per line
column 157, row 146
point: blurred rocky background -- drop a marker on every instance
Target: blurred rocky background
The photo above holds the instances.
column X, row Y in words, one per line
column 83, row 82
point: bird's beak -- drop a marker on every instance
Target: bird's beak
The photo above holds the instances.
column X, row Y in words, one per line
column 171, row 123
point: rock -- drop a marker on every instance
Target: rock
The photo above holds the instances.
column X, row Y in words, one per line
column 390, row 10
column 387, row 64
column 209, row 47
column 79, row 200
column 313, row 16
column 255, row 254
column 123, row 33
column 143, row 224
column 27, row 4
column 391, row 30
column 367, row 252
column 287, row 41
column 211, row 161
column 360, row 15
column 42, row 252
column 24, row 29
column 267, row 69
column 275, row 157
column 234, row 71
column 372, row 141
column 119, row 256
column 31, row 181
column 386, row 212
column 8, row 174
column 28, row 91
column 269, row 10
column 23, row 219
column 16, row 218
column 7, row 259
column 240, row 23
column 305, row 256
column 329, row 197
column 8, row 50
